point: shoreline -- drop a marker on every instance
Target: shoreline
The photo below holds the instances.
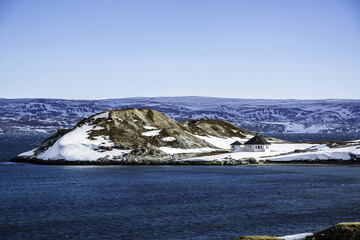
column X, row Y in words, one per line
column 172, row 162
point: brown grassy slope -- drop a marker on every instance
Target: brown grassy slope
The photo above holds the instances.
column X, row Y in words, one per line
column 217, row 128
column 126, row 127
column 341, row 231
column 220, row 128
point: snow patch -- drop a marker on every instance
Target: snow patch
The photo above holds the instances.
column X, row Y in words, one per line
column 149, row 127
column 101, row 115
column 119, row 119
column 76, row 146
column 299, row 236
column 98, row 128
column 276, row 149
column 28, row 153
column 169, row 139
column 151, row 133
column 322, row 153
column 220, row 142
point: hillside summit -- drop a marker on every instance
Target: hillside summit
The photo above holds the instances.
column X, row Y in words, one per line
column 137, row 135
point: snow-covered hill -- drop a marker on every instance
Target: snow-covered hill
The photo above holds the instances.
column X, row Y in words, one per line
column 133, row 135
column 146, row 136
column 259, row 115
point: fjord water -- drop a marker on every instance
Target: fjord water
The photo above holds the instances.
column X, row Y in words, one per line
column 171, row 202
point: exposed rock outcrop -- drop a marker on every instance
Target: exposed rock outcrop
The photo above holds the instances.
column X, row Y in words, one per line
column 133, row 135
column 341, row 231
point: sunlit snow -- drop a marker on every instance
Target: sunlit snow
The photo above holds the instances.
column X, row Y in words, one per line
column 151, row 133
column 76, row 146
column 149, row 127
column 299, row 236
column 169, row 139
column 101, row 115
column 276, row 149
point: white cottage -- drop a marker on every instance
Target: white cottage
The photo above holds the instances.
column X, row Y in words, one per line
column 235, row 146
column 257, row 144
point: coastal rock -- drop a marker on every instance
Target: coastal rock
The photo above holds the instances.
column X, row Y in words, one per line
column 341, row 231
column 145, row 136
column 135, row 135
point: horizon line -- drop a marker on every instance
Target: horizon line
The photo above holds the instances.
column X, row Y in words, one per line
column 189, row 96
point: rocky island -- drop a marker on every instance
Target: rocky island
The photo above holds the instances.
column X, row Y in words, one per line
column 145, row 136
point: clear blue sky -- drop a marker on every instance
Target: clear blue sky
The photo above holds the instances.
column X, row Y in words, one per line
column 89, row 49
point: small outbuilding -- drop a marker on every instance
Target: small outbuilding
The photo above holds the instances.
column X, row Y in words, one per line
column 235, row 146
column 257, row 144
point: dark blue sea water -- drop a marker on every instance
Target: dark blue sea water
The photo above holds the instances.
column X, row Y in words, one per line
column 12, row 145
column 162, row 202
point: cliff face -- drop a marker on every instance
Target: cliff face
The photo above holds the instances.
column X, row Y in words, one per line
column 132, row 132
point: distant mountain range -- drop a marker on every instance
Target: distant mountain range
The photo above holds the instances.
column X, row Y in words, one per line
column 257, row 115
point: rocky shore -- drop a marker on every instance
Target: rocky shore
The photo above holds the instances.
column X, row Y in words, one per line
column 175, row 161
column 148, row 137
column 341, row 231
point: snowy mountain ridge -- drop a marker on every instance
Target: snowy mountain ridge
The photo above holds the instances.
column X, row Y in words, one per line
column 260, row 115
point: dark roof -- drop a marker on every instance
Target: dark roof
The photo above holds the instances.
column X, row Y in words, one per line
column 236, row 143
column 257, row 140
